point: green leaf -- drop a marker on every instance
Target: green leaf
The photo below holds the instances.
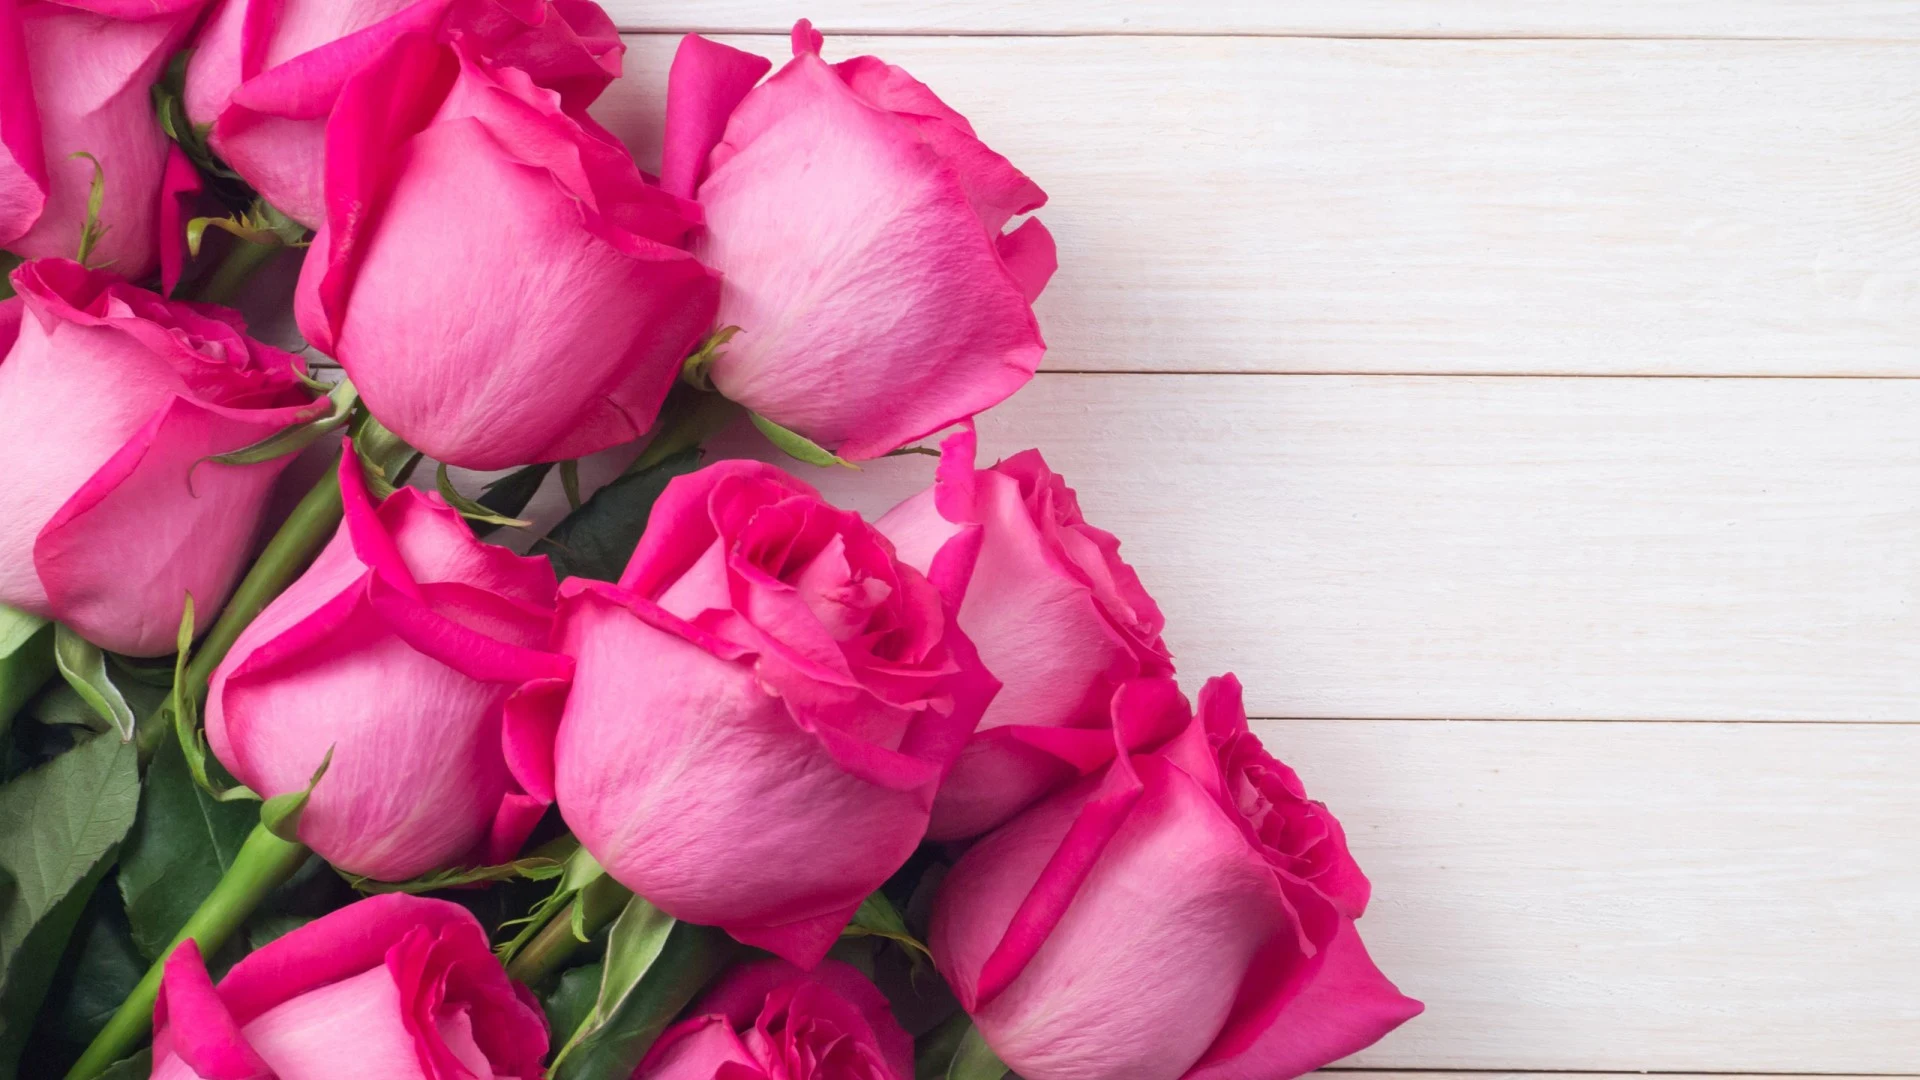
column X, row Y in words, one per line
column 84, row 667
column 596, row 540
column 798, row 446
column 8, row 261
column 26, row 660
column 975, row 1060
column 58, row 828
column 877, row 917
column 571, row 1001
column 510, row 494
column 100, row 968
column 532, row 868
column 184, row 840
column 281, row 814
column 654, row 967
column 469, row 509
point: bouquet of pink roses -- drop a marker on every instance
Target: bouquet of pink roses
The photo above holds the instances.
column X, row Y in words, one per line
column 304, row 774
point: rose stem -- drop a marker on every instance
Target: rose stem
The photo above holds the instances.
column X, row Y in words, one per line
column 548, row 952
column 234, row 270
column 265, row 862
column 305, row 532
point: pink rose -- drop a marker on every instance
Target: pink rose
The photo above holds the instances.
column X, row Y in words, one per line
column 392, row 986
column 1058, row 618
column 75, row 76
column 396, row 650
column 761, row 711
column 858, row 222
column 111, row 399
column 1190, row 914
column 494, row 272
column 266, row 73
column 771, row 1021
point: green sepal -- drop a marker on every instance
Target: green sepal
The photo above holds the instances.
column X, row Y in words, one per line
column 84, row 667
column 510, row 494
column 798, row 446
column 341, row 398
column 260, row 224
column 91, row 231
column 469, row 509
column 570, row 482
column 654, row 967
column 8, row 262
column 877, row 917
column 532, row 868
column 26, row 660
column 578, row 870
column 975, row 1060
column 694, row 370
column 186, row 718
column 280, row 815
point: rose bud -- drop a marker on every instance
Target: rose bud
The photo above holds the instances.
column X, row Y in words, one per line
column 771, row 1021
column 761, row 711
column 75, row 77
column 265, row 73
column 572, row 310
column 396, row 650
column 391, row 986
column 1058, row 618
column 113, row 399
column 858, row 221
column 1190, row 914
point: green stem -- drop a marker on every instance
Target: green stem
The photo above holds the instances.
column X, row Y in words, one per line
column 234, row 270
column 599, row 902
column 305, row 532
column 264, row 863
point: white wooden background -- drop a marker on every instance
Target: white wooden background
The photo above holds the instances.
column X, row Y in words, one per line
column 1520, row 395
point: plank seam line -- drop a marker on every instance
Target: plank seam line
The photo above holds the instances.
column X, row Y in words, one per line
column 1425, row 1069
column 1269, row 35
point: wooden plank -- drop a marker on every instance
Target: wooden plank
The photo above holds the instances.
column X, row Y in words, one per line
column 1349, row 1073
column 1434, row 207
column 1623, row 897
column 1710, row 897
column 1368, row 18
column 1500, row 548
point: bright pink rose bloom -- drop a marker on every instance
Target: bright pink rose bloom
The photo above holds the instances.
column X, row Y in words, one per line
column 396, row 649
column 266, row 73
column 76, row 76
column 762, row 710
column 858, row 221
column 1058, row 618
column 111, row 399
column 771, row 1021
column 392, row 987
column 494, row 272
column 1190, row 914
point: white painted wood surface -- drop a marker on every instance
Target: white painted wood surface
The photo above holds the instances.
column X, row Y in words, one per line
column 1385, row 534
column 1692, row 897
column 1234, row 204
column 1355, row 18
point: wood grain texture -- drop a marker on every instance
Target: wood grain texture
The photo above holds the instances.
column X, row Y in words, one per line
column 1494, row 548
column 1711, row 897
column 1435, row 207
column 1385, row 18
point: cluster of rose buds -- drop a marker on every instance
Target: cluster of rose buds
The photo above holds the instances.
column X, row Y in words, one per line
column 766, row 716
